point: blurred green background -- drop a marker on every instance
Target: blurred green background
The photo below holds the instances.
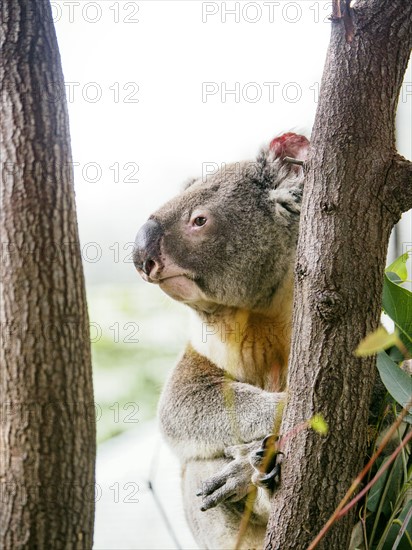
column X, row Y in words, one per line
column 137, row 333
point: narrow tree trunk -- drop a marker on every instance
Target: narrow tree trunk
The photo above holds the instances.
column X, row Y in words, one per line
column 355, row 190
column 48, row 426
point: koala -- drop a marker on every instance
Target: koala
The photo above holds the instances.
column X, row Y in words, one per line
column 225, row 247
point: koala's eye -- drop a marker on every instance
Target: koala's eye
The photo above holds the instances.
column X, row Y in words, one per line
column 199, row 221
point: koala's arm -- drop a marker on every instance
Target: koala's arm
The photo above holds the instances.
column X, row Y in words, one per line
column 203, row 411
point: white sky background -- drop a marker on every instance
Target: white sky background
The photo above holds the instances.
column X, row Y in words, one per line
column 160, row 53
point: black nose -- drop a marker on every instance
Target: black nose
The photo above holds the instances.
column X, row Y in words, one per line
column 147, row 247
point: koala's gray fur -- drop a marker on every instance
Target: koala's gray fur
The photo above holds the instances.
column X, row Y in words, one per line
column 235, row 270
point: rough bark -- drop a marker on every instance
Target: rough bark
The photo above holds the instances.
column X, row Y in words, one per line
column 355, row 190
column 48, row 425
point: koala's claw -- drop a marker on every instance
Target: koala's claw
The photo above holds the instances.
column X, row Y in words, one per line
column 268, row 480
column 255, row 463
column 266, row 462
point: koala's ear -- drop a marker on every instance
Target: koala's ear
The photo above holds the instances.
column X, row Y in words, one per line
column 272, row 170
column 289, row 145
column 286, row 201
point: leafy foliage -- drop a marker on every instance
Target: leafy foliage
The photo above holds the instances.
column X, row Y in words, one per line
column 385, row 515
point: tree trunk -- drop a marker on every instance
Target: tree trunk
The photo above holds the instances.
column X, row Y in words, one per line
column 356, row 188
column 48, row 426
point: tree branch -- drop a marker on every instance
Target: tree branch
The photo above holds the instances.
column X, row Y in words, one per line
column 399, row 185
column 342, row 11
column 342, row 248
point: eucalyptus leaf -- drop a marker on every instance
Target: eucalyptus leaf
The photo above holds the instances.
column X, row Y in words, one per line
column 375, row 491
column 399, row 267
column 391, row 538
column 377, row 341
column 397, row 303
column 395, row 354
column 389, row 483
column 394, row 277
column 397, row 382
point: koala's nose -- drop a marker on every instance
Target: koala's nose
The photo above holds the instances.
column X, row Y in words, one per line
column 147, row 248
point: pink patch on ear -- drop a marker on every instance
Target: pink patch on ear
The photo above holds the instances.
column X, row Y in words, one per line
column 290, row 145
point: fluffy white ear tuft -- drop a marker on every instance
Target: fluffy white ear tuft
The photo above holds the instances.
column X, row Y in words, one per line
column 287, row 200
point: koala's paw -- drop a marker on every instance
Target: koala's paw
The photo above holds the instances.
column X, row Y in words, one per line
column 231, row 483
column 266, row 462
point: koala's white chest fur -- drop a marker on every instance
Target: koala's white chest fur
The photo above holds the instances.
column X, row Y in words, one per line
column 252, row 347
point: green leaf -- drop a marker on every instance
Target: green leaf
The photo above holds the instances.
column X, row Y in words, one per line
column 377, row 341
column 375, row 491
column 395, row 355
column 386, row 487
column 394, row 277
column 319, row 424
column 397, row 303
column 390, row 540
column 399, row 267
column 397, row 382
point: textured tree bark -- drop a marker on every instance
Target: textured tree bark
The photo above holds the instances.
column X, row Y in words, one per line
column 356, row 188
column 48, row 425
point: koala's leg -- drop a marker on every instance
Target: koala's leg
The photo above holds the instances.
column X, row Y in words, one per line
column 202, row 412
column 218, row 528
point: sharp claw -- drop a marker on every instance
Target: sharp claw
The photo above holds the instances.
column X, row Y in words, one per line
column 271, row 479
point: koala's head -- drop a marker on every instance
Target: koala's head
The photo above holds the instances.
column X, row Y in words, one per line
column 228, row 239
